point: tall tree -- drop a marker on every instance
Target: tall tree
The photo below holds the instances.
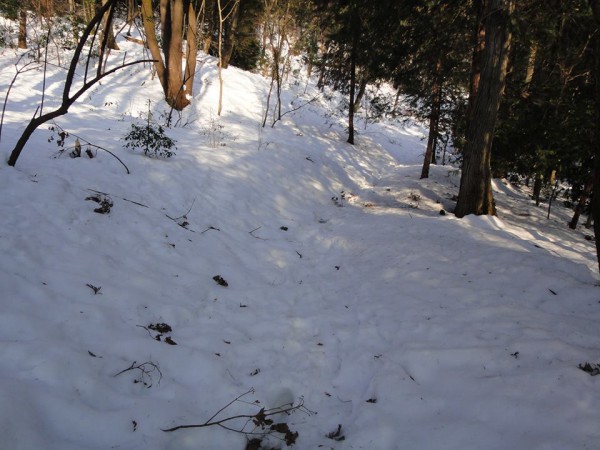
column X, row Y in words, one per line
column 358, row 40
column 550, row 79
column 475, row 195
column 177, row 21
column 428, row 60
column 595, row 5
column 22, row 41
column 17, row 11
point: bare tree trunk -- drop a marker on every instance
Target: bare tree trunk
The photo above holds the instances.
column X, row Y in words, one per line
column 170, row 71
column 131, row 11
column 152, row 42
column 475, row 195
column 107, row 30
column 583, row 198
column 531, row 63
column 355, row 39
column 47, row 8
column 595, row 5
column 362, row 87
column 352, row 88
column 478, row 42
column 229, row 38
column 22, row 28
column 191, row 48
column 209, row 19
column 220, row 50
column 434, row 119
column 590, row 220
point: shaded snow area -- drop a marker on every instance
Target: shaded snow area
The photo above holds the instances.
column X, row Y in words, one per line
column 283, row 264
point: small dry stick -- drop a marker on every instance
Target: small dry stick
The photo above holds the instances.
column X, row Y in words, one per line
column 251, row 233
column 263, row 414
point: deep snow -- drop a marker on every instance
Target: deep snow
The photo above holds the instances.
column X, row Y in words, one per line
column 347, row 289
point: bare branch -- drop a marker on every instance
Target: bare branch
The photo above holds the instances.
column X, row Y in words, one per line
column 260, row 415
column 89, row 144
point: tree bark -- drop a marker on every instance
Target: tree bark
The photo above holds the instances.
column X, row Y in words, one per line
column 537, row 188
column 478, row 42
column 107, row 30
column 191, row 48
column 229, row 40
column 595, row 5
column 583, row 198
column 152, row 42
column 362, row 87
column 352, row 88
column 475, row 194
column 170, row 72
column 220, row 54
column 434, row 118
column 175, row 94
column 131, row 11
column 22, row 42
column 352, row 78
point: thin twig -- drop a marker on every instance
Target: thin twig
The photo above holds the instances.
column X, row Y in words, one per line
column 10, row 86
column 184, row 216
column 89, row 144
column 144, row 372
column 266, row 413
column 256, row 237
column 250, row 391
column 316, row 97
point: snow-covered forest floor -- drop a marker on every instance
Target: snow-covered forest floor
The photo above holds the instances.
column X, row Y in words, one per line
column 348, row 293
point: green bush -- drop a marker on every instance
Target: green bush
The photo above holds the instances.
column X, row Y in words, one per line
column 151, row 139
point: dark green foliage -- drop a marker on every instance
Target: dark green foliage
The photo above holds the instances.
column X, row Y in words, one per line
column 151, row 139
column 547, row 120
column 10, row 8
column 246, row 46
column 246, row 55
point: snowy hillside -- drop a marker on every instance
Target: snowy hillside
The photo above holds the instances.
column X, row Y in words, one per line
column 283, row 261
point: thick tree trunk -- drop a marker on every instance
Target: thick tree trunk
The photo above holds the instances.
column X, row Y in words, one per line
column 229, row 40
column 170, row 70
column 191, row 48
column 478, row 42
column 152, row 42
column 475, row 194
column 46, row 8
column 22, row 43
column 175, row 94
column 111, row 42
column 131, row 12
column 208, row 25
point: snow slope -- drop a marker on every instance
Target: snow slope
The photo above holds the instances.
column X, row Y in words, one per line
column 347, row 290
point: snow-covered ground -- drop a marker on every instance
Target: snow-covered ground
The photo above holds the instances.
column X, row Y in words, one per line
column 348, row 293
